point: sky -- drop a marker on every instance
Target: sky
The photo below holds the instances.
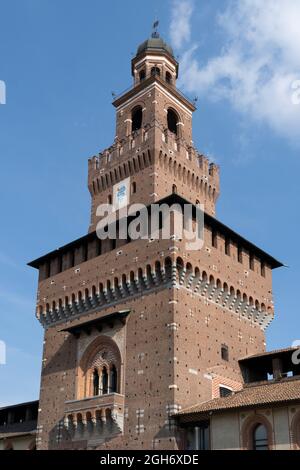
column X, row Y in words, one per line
column 60, row 61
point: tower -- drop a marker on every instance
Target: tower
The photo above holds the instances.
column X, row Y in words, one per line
column 137, row 329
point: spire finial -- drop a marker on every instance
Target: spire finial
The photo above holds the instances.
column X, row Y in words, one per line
column 155, row 33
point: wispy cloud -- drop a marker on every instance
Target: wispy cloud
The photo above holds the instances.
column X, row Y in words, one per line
column 257, row 65
column 180, row 27
column 17, row 300
column 8, row 261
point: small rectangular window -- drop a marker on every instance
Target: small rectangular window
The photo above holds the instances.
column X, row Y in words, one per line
column 60, row 265
column 214, row 239
column 251, row 262
column 263, row 269
column 84, row 252
column 227, row 246
column 72, row 259
column 224, row 352
column 99, row 247
column 47, row 269
column 240, row 254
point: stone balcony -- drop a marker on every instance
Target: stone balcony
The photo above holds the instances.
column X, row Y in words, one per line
column 101, row 415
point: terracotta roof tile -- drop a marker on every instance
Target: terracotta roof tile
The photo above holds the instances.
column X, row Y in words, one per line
column 271, row 393
column 270, row 353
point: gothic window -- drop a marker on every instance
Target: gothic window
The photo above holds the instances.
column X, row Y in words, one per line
column 137, row 118
column 100, row 368
column 142, row 75
column 113, row 379
column 168, row 77
column 172, row 119
column 155, row 71
column 260, row 438
column 95, row 383
column 104, row 381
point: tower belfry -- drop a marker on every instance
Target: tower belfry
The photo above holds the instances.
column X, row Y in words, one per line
column 136, row 330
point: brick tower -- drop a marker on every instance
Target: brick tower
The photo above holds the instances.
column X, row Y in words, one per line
column 136, row 330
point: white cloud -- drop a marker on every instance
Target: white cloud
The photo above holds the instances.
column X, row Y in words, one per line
column 258, row 65
column 180, row 28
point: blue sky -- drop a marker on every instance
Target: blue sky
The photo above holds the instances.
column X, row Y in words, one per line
column 61, row 59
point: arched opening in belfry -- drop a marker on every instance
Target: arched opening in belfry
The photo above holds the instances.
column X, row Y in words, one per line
column 168, row 77
column 137, row 118
column 155, row 71
column 142, row 75
column 172, row 121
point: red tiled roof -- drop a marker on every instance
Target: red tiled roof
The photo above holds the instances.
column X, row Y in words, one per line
column 266, row 394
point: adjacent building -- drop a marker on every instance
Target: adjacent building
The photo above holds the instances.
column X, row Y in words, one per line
column 263, row 415
column 18, row 424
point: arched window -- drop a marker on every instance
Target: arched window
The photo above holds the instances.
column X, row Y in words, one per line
column 113, row 379
column 104, row 381
column 95, row 383
column 137, row 118
column 168, row 77
column 260, row 438
column 142, row 75
column 174, row 189
column 172, row 121
column 155, row 71
column 109, row 199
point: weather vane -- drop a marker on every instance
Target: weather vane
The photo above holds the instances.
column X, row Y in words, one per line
column 155, row 25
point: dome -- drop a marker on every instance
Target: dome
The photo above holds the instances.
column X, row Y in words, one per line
column 155, row 43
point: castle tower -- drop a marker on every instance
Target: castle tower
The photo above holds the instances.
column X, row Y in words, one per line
column 135, row 330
